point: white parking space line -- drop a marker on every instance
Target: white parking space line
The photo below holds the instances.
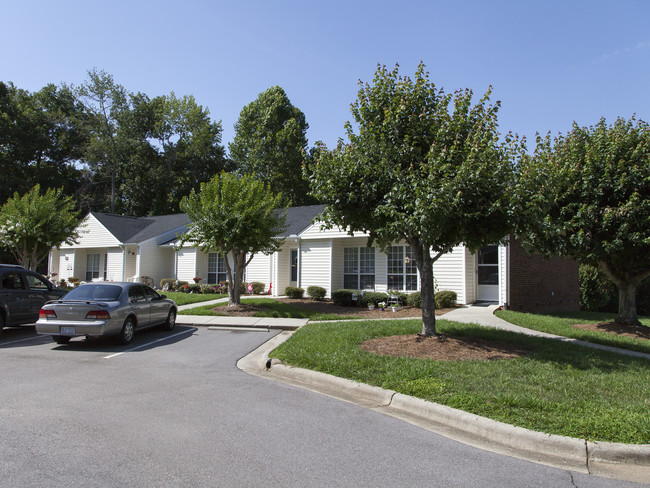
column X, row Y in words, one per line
column 21, row 340
column 166, row 338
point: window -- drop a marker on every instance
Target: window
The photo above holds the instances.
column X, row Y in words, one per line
column 402, row 270
column 12, row 281
column 137, row 294
column 359, row 268
column 36, row 283
column 216, row 268
column 294, row 265
column 488, row 266
column 92, row 266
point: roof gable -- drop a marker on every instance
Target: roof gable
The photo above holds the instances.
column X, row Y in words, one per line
column 300, row 218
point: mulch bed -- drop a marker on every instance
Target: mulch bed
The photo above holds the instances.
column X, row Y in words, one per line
column 329, row 307
column 444, row 348
column 636, row 331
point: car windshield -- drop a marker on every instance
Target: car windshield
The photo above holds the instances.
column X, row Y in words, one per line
column 108, row 293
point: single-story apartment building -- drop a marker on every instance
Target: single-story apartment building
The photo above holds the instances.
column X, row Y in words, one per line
column 119, row 248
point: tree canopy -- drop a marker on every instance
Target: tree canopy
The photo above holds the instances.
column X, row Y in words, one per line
column 236, row 216
column 584, row 195
column 425, row 167
column 270, row 142
column 31, row 225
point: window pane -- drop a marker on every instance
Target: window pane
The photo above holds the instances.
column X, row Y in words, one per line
column 395, row 282
column 367, row 282
column 35, row 283
column 367, row 260
column 350, row 260
column 488, row 275
column 411, row 282
column 488, row 255
column 351, row 282
column 396, row 260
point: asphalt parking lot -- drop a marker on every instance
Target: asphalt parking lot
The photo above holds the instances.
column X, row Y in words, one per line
column 172, row 409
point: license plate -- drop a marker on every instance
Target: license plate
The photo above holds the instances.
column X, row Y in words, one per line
column 67, row 330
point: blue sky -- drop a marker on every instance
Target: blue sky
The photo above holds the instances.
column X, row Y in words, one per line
column 549, row 62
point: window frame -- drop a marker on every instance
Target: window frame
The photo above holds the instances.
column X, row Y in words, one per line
column 216, row 268
column 359, row 269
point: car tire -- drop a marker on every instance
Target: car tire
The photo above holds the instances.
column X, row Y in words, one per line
column 61, row 339
column 128, row 331
column 171, row 320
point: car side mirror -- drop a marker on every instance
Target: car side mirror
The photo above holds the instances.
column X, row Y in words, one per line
column 163, row 297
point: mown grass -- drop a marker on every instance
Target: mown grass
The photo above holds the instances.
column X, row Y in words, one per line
column 560, row 388
column 561, row 324
column 185, row 298
column 273, row 308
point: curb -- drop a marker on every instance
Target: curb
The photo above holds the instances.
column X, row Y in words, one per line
column 620, row 461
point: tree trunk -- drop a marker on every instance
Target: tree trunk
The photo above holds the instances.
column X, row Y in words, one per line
column 425, row 267
column 627, row 304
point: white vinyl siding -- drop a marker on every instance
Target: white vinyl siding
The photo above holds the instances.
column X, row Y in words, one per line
column 186, row 264
column 448, row 272
column 259, row 269
column 315, row 267
column 470, row 276
column 93, row 234
column 115, row 261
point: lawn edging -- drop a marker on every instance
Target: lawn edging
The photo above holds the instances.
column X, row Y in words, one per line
column 629, row 462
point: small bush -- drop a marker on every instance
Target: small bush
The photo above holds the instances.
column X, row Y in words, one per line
column 372, row 298
column 170, row 282
column 258, row 288
column 446, row 299
column 344, row 297
column 316, row 292
column 414, row 299
column 223, row 287
column 294, row 292
column 194, row 288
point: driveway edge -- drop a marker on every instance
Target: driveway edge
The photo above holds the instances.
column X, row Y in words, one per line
column 628, row 462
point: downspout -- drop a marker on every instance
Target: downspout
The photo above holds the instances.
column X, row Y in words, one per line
column 299, row 261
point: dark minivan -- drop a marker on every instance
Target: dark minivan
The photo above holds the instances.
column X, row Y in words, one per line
column 22, row 294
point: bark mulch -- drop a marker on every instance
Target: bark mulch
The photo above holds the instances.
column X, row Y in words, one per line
column 636, row 331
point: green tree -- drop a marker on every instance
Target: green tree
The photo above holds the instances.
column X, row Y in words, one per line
column 236, row 216
column 586, row 195
column 31, row 225
column 105, row 102
column 270, row 142
column 40, row 139
column 425, row 167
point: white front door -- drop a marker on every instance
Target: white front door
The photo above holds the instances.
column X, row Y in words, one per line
column 488, row 274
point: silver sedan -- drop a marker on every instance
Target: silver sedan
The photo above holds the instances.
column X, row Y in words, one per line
column 106, row 308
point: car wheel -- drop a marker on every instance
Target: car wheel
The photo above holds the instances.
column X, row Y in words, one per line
column 171, row 321
column 61, row 339
column 128, row 331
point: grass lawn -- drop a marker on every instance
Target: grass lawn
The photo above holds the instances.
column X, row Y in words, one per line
column 560, row 324
column 185, row 298
column 273, row 308
column 560, row 388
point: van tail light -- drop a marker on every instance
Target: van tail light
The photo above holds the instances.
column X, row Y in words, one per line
column 46, row 314
column 98, row 315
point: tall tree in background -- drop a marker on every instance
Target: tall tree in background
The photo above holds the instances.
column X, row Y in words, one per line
column 586, row 195
column 270, row 141
column 425, row 167
column 40, row 139
column 106, row 102
column 146, row 153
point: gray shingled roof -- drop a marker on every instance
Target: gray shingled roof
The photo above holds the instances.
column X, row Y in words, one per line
column 139, row 229
column 132, row 230
column 299, row 218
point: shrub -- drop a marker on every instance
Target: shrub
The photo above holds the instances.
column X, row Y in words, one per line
column 372, row 298
column 223, row 287
column 294, row 292
column 170, row 282
column 414, row 299
column 182, row 286
column 316, row 292
column 194, row 288
column 446, row 299
column 258, row 288
column 344, row 297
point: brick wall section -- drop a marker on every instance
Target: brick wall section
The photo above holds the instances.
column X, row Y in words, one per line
column 542, row 285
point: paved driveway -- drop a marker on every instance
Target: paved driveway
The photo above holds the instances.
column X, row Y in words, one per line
column 171, row 410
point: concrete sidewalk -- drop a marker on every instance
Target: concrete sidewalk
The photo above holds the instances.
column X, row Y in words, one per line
column 483, row 314
column 224, row 322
